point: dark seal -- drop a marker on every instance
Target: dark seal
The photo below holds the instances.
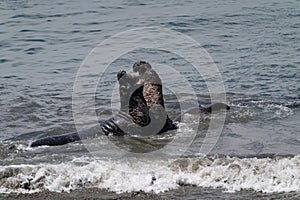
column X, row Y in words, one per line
column 142, row 103
column 132, row 104
column 153, row 94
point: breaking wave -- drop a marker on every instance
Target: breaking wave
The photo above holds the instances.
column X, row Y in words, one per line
column 277, row 174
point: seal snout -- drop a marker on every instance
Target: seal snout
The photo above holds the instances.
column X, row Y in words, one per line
column 120, row 74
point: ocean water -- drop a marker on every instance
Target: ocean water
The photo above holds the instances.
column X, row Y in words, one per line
column 256, row 47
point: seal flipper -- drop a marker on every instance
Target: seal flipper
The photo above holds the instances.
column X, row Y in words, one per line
column 214, row 107
column 69, row 137
column 56, row 140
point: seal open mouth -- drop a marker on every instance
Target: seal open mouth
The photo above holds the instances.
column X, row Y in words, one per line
column 140, row 81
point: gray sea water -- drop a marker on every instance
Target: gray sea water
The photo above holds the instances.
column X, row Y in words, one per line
column 256, row 46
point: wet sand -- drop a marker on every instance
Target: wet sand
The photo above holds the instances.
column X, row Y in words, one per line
column 186, row 192
column 91, row 193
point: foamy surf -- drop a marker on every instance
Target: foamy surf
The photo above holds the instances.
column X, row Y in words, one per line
column 269, row 175
column 248, row 110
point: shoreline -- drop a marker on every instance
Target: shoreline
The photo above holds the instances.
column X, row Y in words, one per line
column 180, row 193
column 85, row 193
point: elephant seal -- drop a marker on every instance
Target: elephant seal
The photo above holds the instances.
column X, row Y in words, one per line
column 131, row 98
column 153, row 94
column 152, row 90
column 137, row 108
column 151, row 119
column 141, row 97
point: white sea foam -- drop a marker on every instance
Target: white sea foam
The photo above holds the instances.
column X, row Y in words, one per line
column 269, row 110
column 230, row 173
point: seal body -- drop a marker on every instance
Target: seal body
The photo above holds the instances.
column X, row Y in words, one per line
column 153, row 94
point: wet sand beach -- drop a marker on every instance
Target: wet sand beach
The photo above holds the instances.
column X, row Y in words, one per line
column 181, row 193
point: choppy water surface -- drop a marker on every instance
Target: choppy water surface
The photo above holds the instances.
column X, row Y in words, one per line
column 256, row 46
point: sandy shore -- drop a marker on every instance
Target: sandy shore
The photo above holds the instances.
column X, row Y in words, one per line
column 91, row 193
column 187, row 192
